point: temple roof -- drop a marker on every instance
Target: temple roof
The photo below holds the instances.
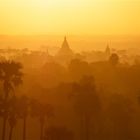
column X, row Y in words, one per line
column 108, row 51
column 65, row 48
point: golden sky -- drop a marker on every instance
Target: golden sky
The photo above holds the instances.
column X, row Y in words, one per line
column 69, row 17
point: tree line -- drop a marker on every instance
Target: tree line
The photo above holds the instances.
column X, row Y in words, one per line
column 98, row 113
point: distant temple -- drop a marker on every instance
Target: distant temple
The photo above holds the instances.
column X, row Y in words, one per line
column 65, row 54
column 107, row 51
column 65, row 49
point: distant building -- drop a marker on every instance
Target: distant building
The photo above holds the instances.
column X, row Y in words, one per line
column 107, row 52
column 65, row 54
column 65, row 49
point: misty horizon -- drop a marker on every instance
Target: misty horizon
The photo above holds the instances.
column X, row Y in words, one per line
column 77, row 42
column 69, row 69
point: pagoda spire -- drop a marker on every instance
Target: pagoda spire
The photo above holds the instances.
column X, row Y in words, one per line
column 65, row 48
column 108, row 51
column 65, row 43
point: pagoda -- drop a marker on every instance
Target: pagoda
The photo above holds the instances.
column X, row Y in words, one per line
column 65, row 54
column 65, row 49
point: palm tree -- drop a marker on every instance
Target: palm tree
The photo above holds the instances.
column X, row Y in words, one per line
column 86, row 103
column 4, row 112
column 12, row 123
column 10, row 111
column 13, row 114
column 11, row 76
column 42, row 112
column 23, row 112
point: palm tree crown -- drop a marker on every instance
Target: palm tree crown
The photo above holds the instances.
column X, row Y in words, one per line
column 11, row 75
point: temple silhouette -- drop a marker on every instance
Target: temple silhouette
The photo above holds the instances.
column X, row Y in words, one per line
column 65, row 49
column 65, row 54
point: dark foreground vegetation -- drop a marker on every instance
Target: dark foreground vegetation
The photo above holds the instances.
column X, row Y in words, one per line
column 80, row 101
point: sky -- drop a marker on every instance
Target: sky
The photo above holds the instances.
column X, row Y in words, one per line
column 73, row 17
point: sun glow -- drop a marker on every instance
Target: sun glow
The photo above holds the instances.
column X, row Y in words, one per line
column 69, row 16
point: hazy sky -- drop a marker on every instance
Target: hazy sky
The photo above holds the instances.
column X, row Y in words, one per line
column 69, row 17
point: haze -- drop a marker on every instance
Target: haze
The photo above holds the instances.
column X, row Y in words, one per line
column 69, row 17
column 69, row 69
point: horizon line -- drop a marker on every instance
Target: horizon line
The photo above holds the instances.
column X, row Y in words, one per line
column 66, row 34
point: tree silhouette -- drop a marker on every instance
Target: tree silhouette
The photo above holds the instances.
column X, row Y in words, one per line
column 53, row 74
column 24, row 103
column 42, row 112
column 4, row 111
column 78, row 69
column 87, row 103
column 114, row 59
column 10, row 111
column 13, row 114
column 120, row 110
column 11, row 76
